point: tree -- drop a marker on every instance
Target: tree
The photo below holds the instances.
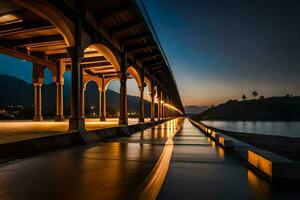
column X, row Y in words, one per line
column 254, row 94
column 244, row 97
column 261, row 97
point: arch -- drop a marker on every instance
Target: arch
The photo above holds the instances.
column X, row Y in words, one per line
column 149, row 83
column 107, row 53
column 107, row 82
column 53, row 15
column 136, row 75
column 86, row 79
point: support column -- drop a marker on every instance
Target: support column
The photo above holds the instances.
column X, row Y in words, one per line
column 102, row 105
column 141, row 117
column 123, row 119
column 159, row 107
column 37, row 102
column 162, row 106
column 163, row 110
column 83, row 102
column 59, row 102
column 152, row 108
column 60, row 69
column 76, row 121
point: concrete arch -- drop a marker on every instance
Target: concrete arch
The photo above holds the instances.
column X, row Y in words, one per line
column 53, row 15
column 107, row 82
column 87, row 79
column 107, row 53
column 149, row 83
column 136, row 75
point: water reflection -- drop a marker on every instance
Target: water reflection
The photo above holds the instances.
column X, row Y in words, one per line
column 257, row 185
column 291, row 129
column 221, row 152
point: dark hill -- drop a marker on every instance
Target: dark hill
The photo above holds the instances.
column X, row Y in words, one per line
column 273, row 108
column 193, row 109
column 14, row 91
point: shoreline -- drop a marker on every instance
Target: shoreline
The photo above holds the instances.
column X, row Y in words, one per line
column 282, row 145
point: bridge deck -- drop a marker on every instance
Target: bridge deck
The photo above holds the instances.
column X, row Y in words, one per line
column 111, row 170
column 12, row 131
column 117, row 168
column 201, row 170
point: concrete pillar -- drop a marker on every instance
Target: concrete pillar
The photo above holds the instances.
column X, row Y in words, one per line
column 102, row 105
column 142, row 109
column 123, row 118
column 83, row 102
column 163, row 110
column 59, row 102
column 166, row 111
column 152, row 108
column 37, row 102
column 76, row 121
column 159, row 107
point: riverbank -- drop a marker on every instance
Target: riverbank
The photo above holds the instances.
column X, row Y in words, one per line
column 266, row 109
column 286, row 146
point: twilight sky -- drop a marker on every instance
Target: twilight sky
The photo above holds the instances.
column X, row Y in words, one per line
column 222, row 49
column 219, row 50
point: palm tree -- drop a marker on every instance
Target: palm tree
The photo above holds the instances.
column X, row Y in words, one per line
column 254, row 94
column 244, row 97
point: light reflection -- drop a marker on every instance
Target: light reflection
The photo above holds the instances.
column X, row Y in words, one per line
column 257, row 184
column 221, row 152
column 150, row 187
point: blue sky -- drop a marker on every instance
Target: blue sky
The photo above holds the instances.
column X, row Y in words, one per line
column 219, row 50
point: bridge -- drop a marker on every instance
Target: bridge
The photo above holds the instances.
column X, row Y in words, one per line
column 167, row 157
column 100, row 42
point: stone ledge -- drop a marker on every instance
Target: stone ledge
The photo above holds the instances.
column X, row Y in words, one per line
column 270, row 166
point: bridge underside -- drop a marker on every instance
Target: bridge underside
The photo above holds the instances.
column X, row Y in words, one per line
column 95, row 41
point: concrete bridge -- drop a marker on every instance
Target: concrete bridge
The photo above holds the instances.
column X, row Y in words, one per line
column 95, row 41
column 167, row 158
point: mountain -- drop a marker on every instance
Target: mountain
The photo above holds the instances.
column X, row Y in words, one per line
column 15, row 91
column 193, row 109
column 268, row 109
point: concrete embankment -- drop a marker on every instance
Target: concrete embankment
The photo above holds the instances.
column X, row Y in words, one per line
column 35, row 146
column 269, row 165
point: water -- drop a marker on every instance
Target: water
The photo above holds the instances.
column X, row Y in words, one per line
column 289, row 129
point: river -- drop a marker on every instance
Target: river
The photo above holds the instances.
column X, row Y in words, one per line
column 282, row 128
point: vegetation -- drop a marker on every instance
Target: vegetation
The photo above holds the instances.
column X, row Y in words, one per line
column 244, row 97
column 254, row 94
